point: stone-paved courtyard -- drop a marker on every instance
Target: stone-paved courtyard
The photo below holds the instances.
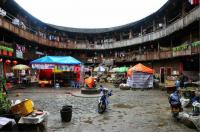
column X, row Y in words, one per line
column 129, row 111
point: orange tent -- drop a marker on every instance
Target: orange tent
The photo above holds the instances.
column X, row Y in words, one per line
column 141, row 68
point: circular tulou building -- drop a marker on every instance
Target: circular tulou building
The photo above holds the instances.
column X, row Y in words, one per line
column 167, row 40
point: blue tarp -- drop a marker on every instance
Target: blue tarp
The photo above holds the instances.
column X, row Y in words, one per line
column 56, row 60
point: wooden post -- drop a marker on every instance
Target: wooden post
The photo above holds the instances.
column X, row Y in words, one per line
column 154, row 27
column 171, row 44
column 165, row 22
column 130, row 34
column 141, row 31
column 190, row 38
column 158, row 50
column 183, row 9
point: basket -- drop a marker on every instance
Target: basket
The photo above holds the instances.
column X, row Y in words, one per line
column 24, row 108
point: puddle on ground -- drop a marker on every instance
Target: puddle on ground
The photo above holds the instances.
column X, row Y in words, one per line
column 89, row 121
column 106, row 118
column 120, row 116
column 123, row 106
column 161, row 124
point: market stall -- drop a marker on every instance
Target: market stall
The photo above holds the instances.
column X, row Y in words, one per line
column 140, row 76
column 63, row 70
column 118, row 75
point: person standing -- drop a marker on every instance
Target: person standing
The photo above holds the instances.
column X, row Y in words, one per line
column 181, row 80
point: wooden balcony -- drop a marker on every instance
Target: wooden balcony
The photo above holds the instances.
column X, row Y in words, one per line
column 119, row 59
column 195, row 50
column 27, row 35
column 141, row 57
column 165, row 54
column 30, row 56
column 175, row 26
column 152, row 56
column 182, row 52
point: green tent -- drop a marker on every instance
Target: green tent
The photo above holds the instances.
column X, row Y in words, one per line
column 122, row 69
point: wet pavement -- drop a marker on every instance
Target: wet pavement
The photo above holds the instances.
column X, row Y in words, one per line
column 129, row 111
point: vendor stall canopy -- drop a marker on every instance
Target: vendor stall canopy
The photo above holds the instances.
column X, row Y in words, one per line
column 56, row 60
column 140, row 68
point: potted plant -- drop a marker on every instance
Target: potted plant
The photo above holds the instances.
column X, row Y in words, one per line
column 5, row 103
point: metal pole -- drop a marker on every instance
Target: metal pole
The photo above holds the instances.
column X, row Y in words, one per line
column 54, row 78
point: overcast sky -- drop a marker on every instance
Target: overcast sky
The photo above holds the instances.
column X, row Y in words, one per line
column 90, row 13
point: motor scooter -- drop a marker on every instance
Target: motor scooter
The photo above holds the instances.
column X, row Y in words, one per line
column 103, row 101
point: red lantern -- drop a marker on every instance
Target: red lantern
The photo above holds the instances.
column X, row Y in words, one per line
column 8, row 61
column 15, row 62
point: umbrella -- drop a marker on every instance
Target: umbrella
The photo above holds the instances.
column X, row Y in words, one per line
column 20, row 67
column 99, row 69
column 86, row 69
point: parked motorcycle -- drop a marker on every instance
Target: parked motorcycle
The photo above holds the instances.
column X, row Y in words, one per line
column 103, row 100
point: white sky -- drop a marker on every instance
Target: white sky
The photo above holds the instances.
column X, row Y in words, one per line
column 90, row 13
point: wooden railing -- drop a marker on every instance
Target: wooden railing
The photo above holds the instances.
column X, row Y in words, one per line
column 165, row 54
column 195, row 50
column 141, row 57
column 152, row 56
column 182, row 52
column 175, row 26
column 147, row 56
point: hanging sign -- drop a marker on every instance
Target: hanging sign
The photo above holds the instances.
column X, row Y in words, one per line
column 20, row 50
column 77, row 68
column 65, row 67
column 43, row 66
